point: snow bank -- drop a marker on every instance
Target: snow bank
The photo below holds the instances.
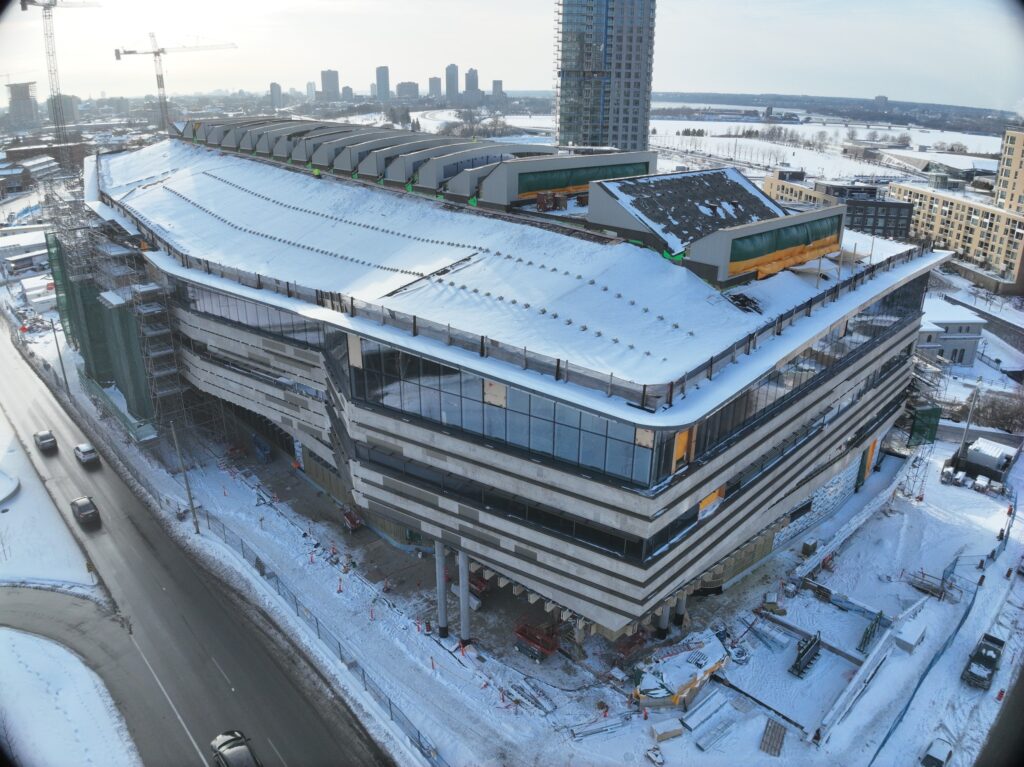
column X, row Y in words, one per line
column 54, row 710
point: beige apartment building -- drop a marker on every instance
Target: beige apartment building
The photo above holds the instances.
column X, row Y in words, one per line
column 1009, row 188
column 987, row 233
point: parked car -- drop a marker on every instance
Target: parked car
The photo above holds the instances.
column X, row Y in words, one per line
column 45, row 441
column 86, row 454
column 984, row 662
column 85, row 511
column 232, row 749
column 939, row 753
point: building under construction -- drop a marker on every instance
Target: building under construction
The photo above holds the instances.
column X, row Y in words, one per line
column 603, row 425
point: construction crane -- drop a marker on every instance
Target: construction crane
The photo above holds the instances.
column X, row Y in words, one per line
column 56, row 98
column 158, row 53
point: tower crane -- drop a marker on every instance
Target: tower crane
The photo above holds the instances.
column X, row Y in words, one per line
column 56, row 98
column 158, row 53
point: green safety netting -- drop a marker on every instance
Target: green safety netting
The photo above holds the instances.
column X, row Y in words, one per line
column 925, row 425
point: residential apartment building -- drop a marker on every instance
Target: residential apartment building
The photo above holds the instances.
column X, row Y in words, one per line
column 866, row 210
column 451, row 84
column 985, row 231
column 604, row 63
column 407, row 90
column 22, row 108
column 329, row 85
column 1009, row 186
column 586, row 422
column 384, row 84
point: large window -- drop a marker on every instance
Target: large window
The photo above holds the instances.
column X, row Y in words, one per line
column 252, row 315
column 463, row 401
column 831, row 352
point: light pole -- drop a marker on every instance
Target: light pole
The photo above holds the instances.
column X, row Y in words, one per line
column 60, row 358
column 184, row 473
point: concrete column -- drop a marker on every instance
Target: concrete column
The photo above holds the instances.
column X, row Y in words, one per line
column 680, row 612
column 442, row 592
column 662, row 631
column 464, row 597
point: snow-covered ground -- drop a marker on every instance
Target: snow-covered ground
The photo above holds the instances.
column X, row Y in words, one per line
column 36, row 547
column 54, row 710
column 755, row 155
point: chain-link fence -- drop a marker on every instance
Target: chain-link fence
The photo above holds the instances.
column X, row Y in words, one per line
column 94, row 429
column 327, row 637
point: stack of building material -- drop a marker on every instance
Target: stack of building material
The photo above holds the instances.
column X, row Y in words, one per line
column 665, row 681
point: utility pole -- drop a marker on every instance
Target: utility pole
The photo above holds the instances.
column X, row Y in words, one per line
column 184, row 473
column 60, row 358
column 967, row 425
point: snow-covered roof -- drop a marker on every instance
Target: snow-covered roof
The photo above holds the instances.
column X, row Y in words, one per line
column 938, row 311
column 949, row 159
column 613, row 308
column 683, row 207
column 23, row 240
column 989, row 448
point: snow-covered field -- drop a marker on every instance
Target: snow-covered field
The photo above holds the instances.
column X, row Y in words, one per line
column 718, row 147
column 54, row 710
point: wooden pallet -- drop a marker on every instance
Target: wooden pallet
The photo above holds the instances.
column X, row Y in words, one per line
column 771, row 740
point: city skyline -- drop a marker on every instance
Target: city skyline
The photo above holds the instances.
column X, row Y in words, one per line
column 87, row 37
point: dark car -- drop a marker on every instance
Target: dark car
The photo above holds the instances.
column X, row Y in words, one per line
column 45, row 441
column 231, row 749
column 85, row 511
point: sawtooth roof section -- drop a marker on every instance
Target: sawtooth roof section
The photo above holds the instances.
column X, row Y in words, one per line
column 684, row 207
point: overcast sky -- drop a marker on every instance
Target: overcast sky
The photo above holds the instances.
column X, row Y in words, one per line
column 967, row 52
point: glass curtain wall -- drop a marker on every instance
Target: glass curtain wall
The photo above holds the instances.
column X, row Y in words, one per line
column 462, row 401
column 251, row 315
column 841, row 346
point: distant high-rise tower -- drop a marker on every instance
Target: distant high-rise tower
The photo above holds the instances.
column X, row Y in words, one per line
column 373, row 90
column 329, row 85
column 383, row 83
column 497, row 89
column 275, row 96
column 451, row 83
column 311, row 91
column 434, row 87
column 472, row 80
column 603, row 81
column 347, row 94
column 22, row 109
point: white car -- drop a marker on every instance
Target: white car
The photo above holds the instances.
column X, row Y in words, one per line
column 86, row 454
column 939, row 753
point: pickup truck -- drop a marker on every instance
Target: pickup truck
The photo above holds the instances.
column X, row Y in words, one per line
column 984, row 662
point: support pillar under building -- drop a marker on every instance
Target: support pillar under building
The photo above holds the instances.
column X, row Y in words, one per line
column 662, row 631
column 679, row 613
column 442, row 591
column 463, row 597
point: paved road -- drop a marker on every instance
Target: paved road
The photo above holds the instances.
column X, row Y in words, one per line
column 196, row 664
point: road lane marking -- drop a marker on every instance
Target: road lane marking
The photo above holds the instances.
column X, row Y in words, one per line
column 215, row 663
column 202, row 759
column 277, row 752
